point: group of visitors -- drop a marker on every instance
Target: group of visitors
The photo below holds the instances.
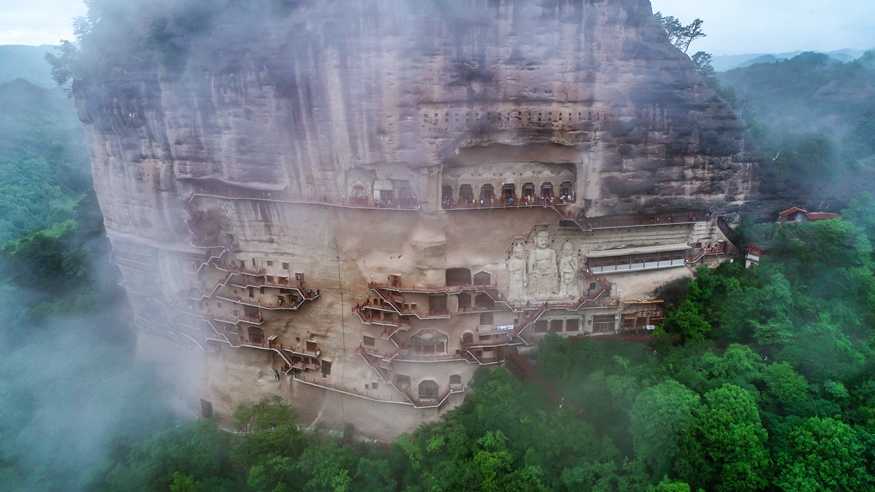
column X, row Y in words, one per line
column 508, row 200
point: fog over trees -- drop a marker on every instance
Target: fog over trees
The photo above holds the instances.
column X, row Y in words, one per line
column 759, row 378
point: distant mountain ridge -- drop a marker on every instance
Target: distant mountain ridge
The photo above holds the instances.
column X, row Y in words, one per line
column 29, row 63
column 814, row 117
column 725, row 63
column 26, row 62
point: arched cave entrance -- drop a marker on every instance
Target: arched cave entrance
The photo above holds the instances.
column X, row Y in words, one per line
column 406, row 197
column 456, row 381
column 482, row 278
column 428, row 390
column 566, row 191
column 466, row 194
column 429, row 342
column 447, row 196
column 508, row 193
column 483, row 301
column 458, row 276
column 487, row 194
column 464, row 301
column 359, row 194
column 547, row 190
column 402, row 382
column 467, row 338
column 256, row 335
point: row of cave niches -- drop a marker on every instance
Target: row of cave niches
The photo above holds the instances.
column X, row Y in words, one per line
column 513, row 119
column 488, row 196
column 522, row 119
column 496, row 116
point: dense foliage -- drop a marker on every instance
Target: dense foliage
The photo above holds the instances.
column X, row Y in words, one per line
column 42, row 158
column 809, row 118
column 69, row 387
column 761, row 379
column 681, row 35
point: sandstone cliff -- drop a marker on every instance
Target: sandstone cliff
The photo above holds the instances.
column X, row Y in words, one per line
column 335, row 87
column 334, row 141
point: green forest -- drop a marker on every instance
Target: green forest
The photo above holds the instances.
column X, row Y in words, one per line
column 69, row 389
column 811, row 118
column 759, row 379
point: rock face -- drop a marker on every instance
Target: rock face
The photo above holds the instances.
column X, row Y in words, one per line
column 357, row 204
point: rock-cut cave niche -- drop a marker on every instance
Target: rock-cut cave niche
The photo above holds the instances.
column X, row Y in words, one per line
column 384, row 186
column 501, row 176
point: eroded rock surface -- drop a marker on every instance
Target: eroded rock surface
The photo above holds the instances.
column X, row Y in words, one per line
column 356, row 205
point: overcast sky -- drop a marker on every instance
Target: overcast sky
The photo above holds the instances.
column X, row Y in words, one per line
column 38, row 21
column 774, row 26
column 733, row 26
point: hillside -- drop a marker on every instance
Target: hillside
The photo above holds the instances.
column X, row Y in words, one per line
column 527, row 343
column 26, row 62
column 58, row 295
column 43, row 162
column 810, row 92
column 723, row 63
column 813, row 120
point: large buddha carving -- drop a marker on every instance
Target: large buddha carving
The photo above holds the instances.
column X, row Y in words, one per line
column 543, row 272
column 568, row 268
column 516, row 267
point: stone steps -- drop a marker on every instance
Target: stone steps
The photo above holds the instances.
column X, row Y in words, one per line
column 703, row 231
column 678, row 235
column 643, row 239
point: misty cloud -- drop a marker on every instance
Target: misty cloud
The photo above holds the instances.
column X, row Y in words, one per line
column 775, row 26
column 66, row 396
column 38, row 21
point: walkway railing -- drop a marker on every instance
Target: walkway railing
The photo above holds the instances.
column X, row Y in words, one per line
column 718, row 249
column 408, row 206
column 404, row 312
column 262, row 280
column 638, row 266
column 495, row 203
column 222, row 339
column 304, row 294
column 530, row 319
column 439, row 402
column 268, row 345
column 620, row 221
column 490, row 289
column 368, row 319
column 533, row 317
